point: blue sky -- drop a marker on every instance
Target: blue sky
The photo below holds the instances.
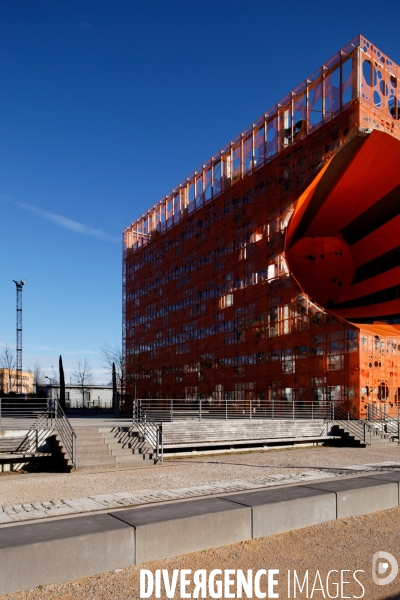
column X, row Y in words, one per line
column 105, row 106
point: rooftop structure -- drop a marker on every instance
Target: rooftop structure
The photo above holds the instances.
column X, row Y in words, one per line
column 220, row 296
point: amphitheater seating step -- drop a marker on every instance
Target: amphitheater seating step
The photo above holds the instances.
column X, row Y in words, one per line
column 213, row 432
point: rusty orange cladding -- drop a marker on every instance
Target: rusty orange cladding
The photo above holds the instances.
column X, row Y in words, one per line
column 211, row 307
column 344, row 249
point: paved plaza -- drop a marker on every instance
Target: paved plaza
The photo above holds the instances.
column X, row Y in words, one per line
column 347, row 544
column 39, row 496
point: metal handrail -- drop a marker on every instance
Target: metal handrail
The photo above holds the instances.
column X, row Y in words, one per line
column 24, row 414
column 66, row 432
column 39, row 414
column 361, row 430
column 390, row 425
column 226, row 408
column 149, row 430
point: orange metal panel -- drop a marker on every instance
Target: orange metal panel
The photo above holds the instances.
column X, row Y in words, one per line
column 354, row 206
column 213, row 306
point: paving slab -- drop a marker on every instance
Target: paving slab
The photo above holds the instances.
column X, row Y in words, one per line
column 57, row 507
column 283, row 509
column 178, row 528
column 98, row 502
column 5, row 518
column 360, row 495
column 388, row 464
column 58, row 550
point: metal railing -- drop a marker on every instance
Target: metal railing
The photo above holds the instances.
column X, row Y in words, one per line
column 360, row 429
column 65, row 431
column 36, row 415
column 375, row 422
column 148, row 429
column 25, row 414
column 380, row 420
column 172, row 410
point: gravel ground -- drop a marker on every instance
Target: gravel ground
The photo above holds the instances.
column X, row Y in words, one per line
column 20, row 489
column 344, row 544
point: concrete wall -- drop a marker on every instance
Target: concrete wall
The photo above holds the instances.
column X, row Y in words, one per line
column 98, row 396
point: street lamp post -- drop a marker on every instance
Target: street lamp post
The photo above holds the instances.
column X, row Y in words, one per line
column 50, row 400
column 51, row 391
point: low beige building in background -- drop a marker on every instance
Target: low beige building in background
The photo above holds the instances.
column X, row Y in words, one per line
column 8, row 381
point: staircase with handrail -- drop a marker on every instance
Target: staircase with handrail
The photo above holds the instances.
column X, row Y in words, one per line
column 377, row 429
column 65, row 436
column 149, row 431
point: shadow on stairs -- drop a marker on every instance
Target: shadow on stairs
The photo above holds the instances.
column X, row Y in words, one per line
column 108, row 449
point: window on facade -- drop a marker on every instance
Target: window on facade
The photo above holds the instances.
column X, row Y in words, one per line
column 226, row 300
column 383, row 391
column 271, row 273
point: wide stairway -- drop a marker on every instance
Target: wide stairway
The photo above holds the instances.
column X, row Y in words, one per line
column 109, row 449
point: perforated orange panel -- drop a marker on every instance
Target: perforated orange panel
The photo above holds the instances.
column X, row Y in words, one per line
column 210, row 307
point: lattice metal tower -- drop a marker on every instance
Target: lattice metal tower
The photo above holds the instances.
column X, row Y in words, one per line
column 19, row 285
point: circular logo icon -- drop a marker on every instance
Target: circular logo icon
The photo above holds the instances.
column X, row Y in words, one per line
column 384, row 568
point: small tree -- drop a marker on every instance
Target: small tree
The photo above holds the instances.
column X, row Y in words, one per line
column 7, row 362
column 126, row 367
column 38, row 377
column 82, row 376
column 114, row 393
column 114, row 379
column 62, row 383
column 115, row 363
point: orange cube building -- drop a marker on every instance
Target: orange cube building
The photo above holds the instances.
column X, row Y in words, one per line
column 271, row 273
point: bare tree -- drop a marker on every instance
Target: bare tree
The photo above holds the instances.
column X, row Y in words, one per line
column 38, row 377
column 114, row 355
column 126, row 367
column 7, row 362
column 82, row 377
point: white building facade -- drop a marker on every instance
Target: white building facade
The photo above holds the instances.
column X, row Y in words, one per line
column 95, row 397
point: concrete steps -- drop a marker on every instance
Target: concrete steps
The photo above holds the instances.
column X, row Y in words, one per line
column 105, row 448
column 108, row 449
column 354, row 435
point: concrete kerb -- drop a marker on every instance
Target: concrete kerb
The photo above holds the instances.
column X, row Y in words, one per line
column 283, row 509
column 391, row 476
column 58, row 550
column 360, row 495
column 171, row 529
column 68, row 548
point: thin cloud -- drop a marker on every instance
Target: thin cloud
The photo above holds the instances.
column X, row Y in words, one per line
column 65, row 352
column 65, row 222
column 79, row 352
column 46, row 348
column 10, row 346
